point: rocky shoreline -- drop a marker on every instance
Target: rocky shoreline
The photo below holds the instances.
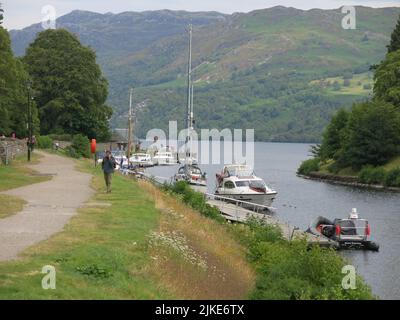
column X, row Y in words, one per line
column 351, row 181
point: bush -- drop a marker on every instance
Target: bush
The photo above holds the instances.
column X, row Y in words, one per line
column 393, row 178
column 308, row 166
column 346, row 82
column 44, row 142
column 196, row 200
column 372, row 175
column 80, row 147
column 71, row 152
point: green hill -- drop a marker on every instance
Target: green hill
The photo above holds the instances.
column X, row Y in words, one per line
column 253, row 70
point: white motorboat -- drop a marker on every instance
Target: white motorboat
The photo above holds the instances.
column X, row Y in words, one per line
column 141, row 159
column 191, row 174
column 239, row 182
column 164, row 158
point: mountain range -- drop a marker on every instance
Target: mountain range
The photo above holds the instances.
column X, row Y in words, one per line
column 281, row 71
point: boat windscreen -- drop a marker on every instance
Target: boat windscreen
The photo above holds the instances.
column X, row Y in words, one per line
column 243, row 183
column 352, row 227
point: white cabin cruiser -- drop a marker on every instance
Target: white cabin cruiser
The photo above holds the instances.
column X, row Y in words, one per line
column 239, row 182
column 164, row 157
column 141, row 159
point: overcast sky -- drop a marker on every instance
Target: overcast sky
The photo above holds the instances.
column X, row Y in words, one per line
column 21, row 13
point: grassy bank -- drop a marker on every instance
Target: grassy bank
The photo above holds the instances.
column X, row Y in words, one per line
column 284, row 270
column 131, row 244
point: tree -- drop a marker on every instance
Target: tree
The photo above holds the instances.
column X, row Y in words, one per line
column 1, row 15
column 372, row 135
column 387, row 79
column 71, row 90
column 13, row 94
column 333, row 136
column 395, row 38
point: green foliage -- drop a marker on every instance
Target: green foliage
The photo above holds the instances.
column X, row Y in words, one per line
column 195, row 199
column 395, row 39
column 292, row 270
column 387, row 79
column 13, row 93
column 308, row 166
column 80, row 147
column 245, row 90
column 393, row 178
column 44, row 142
column 94, row 271
column 70, row 89
column 372, row 175
column 334, row 135
column 372, row 135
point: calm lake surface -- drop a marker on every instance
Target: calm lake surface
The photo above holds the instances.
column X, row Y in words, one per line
column 299, row 201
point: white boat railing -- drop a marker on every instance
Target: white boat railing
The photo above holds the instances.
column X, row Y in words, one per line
column 240, row 203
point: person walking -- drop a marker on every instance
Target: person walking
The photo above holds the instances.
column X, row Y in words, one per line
column 108, row 165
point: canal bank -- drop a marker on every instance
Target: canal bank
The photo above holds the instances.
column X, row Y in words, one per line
column 300, row 201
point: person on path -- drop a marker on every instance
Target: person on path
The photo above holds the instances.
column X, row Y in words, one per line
column 108, row 165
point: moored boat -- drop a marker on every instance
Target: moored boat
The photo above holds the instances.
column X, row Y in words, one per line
column 239, row 182
column 352, row 232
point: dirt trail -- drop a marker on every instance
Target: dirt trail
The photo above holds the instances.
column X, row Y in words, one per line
column 49, row 205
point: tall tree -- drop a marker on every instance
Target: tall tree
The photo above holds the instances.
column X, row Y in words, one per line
column 13, row 95
column 70, row 88
column 395, row 38
column 387, row 79
column 334, row 135
column 372, row 134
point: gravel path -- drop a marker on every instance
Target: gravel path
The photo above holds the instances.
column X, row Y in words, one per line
column 49, row 206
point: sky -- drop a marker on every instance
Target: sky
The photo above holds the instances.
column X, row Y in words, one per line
column 22, row 13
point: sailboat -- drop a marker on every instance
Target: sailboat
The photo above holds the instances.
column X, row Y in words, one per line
column 190, row 172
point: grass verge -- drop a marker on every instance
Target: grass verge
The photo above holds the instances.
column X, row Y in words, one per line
column 110, row 250
column 18, row 174
column 10, row 205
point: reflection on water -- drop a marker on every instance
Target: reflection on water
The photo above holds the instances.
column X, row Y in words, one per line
column 299, row 201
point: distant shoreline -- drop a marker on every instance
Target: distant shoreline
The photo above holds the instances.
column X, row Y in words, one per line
column 351, row 181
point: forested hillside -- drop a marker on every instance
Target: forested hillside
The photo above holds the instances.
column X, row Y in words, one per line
column 282, row 71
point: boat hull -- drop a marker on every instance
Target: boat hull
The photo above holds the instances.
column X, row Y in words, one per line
column 264, row 199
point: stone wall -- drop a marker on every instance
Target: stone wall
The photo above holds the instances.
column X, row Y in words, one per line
column 10, row 148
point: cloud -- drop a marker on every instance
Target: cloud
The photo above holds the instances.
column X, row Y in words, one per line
column 22, row 13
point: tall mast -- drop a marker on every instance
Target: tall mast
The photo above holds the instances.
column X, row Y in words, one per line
column 189, row 95
column 128, row 154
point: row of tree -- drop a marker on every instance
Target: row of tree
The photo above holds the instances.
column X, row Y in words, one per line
column 369, row 134
column 68, row 88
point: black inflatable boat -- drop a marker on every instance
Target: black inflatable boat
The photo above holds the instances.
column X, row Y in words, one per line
column 351, row 233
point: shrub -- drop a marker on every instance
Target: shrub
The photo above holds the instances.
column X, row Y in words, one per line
column 71, row 152
column 196, row 200
column 308, row 166
column 393, row 178
column 346, row 82
column 80, row 145
column 372, row 175
column 44, row 142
